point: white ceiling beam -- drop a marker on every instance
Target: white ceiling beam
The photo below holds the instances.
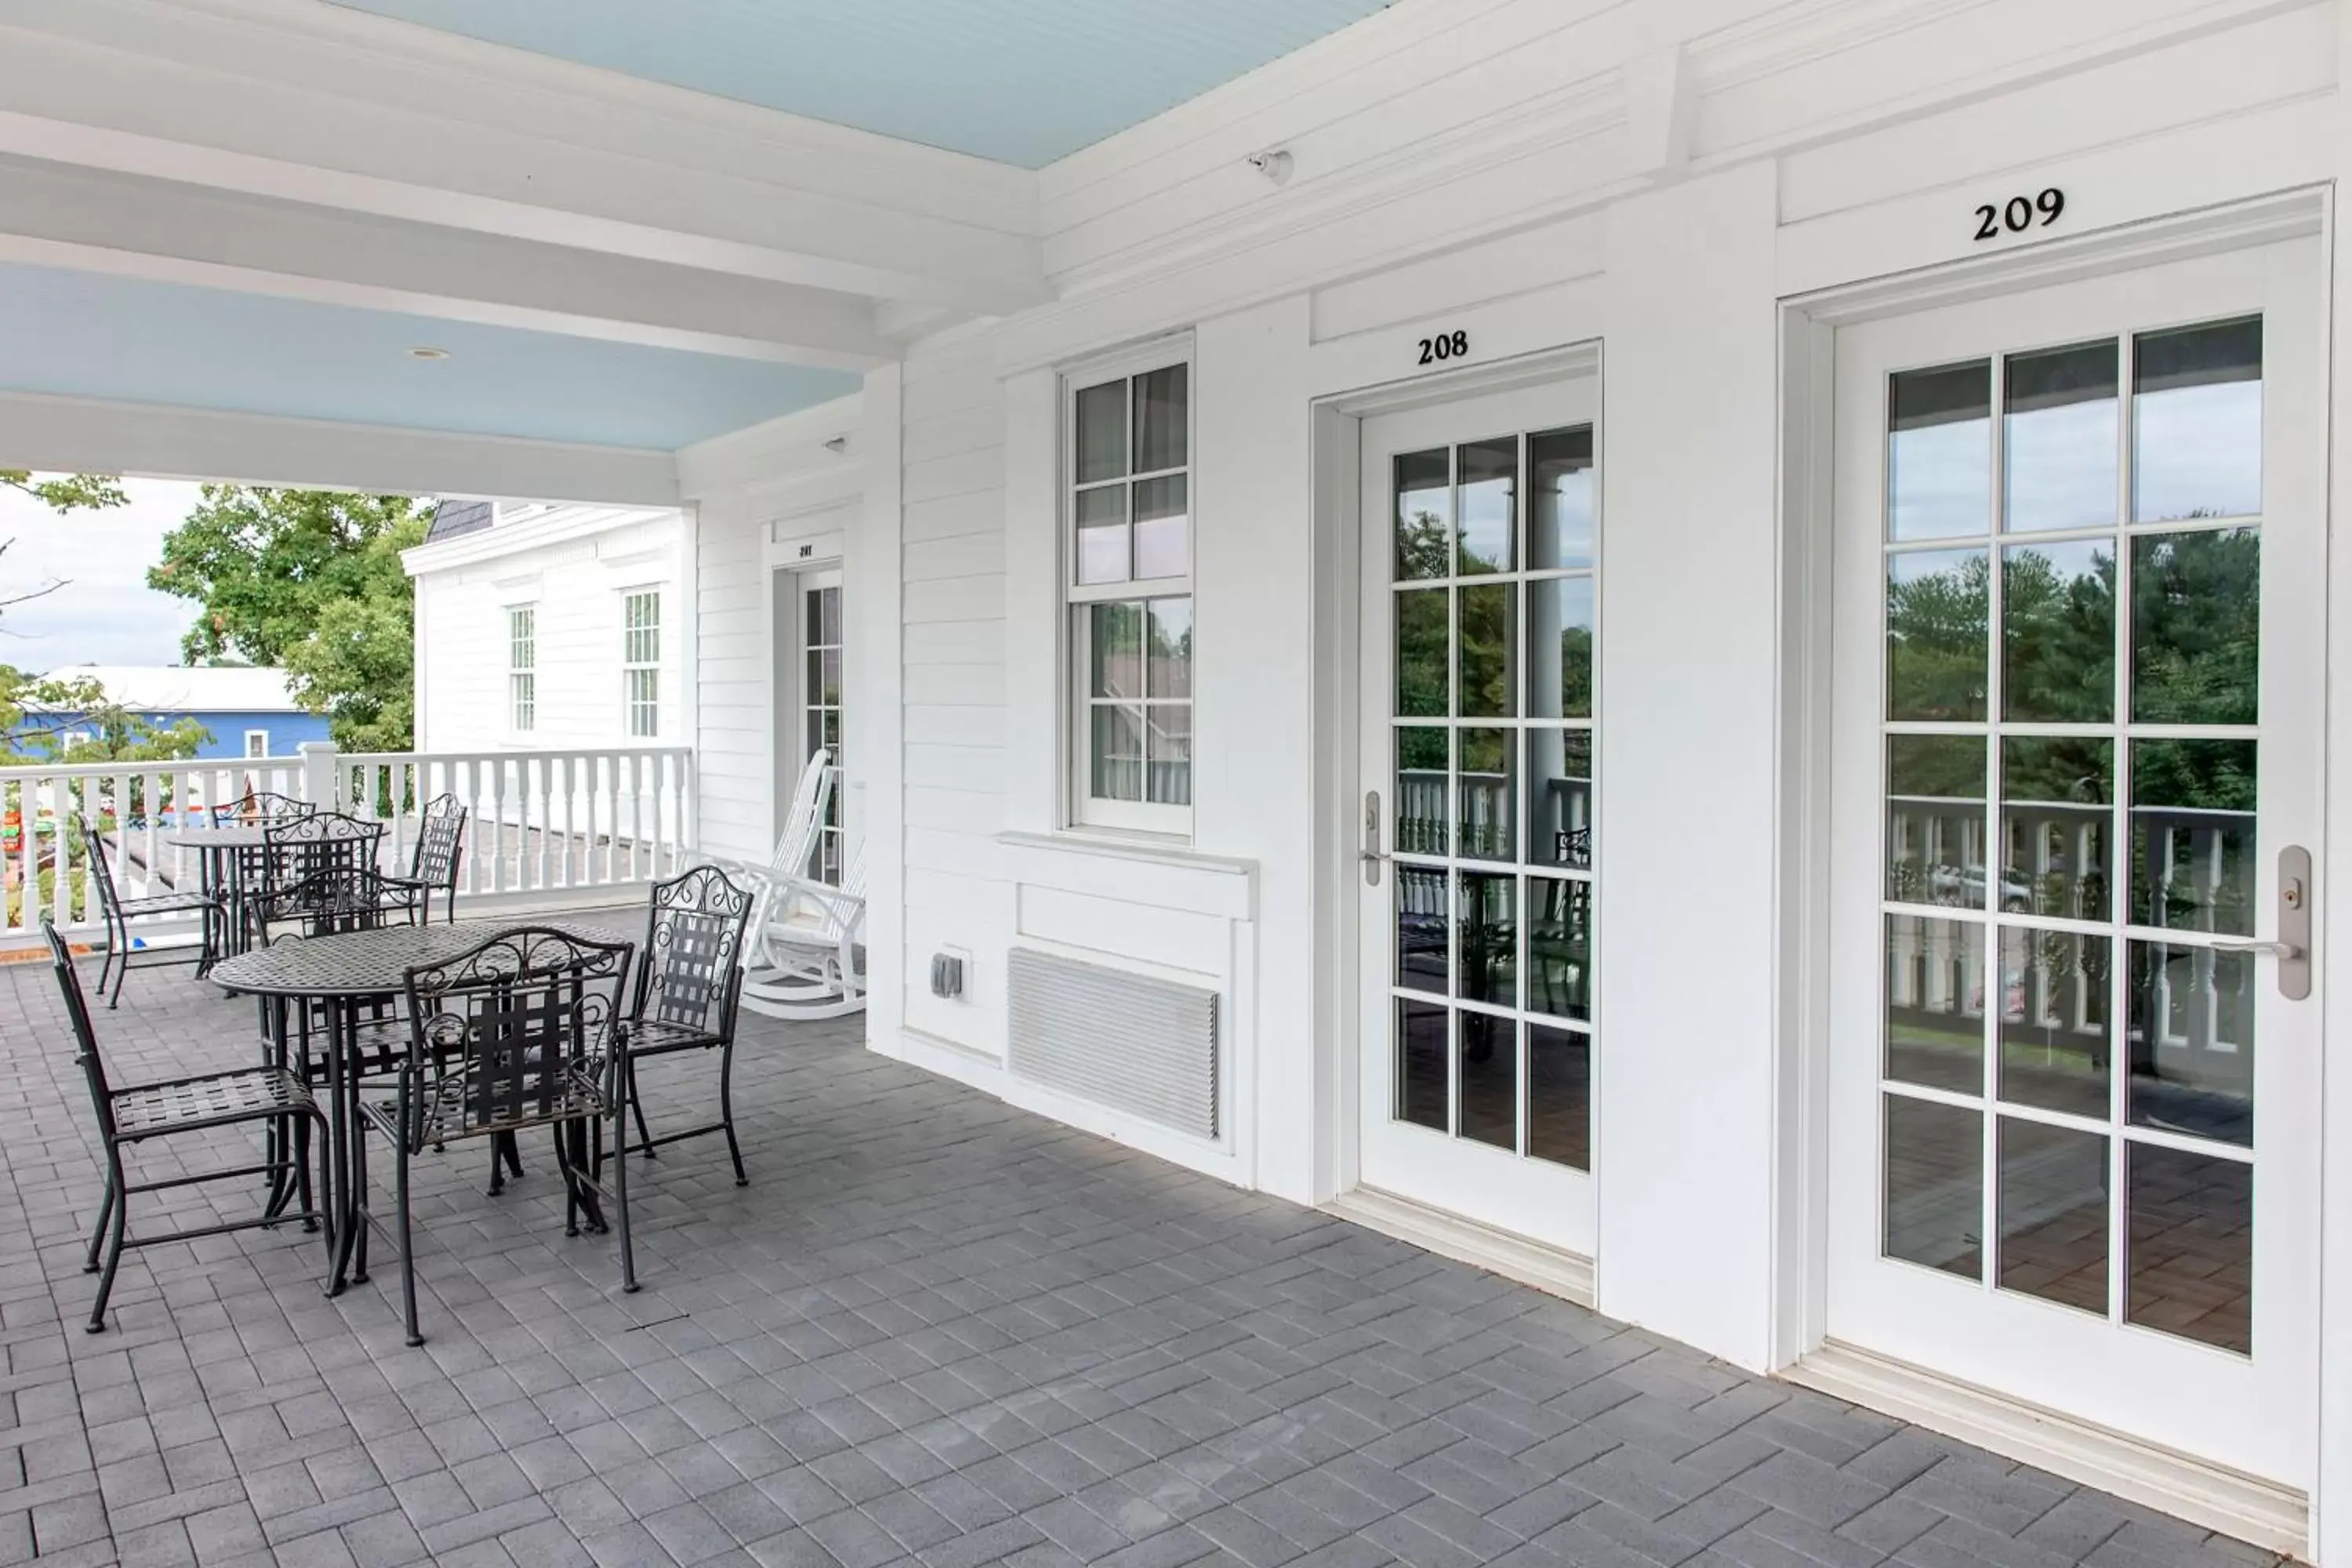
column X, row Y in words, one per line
column 87, row 436
column 52, row 214
column 310, row 103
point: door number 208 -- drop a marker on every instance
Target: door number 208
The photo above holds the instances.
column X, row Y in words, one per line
column 1454, row 344
column 2017, row 214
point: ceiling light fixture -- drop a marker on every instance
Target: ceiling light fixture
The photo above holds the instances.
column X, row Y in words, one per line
column 422, row 351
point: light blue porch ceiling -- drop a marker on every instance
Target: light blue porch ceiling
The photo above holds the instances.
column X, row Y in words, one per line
column 1022, row 81
column 85, row 335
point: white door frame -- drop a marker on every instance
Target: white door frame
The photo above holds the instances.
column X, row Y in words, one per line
column 1337, row 423
column 812, row 538
column 2245, row 1507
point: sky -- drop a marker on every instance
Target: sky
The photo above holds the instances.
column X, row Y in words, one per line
column 105, row 613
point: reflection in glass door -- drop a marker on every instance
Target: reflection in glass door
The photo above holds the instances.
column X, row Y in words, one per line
column 821, row 706
column 1477, row 1092
column 2086, row 767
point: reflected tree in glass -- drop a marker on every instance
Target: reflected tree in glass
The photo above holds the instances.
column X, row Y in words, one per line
column 2058, row 634
column 1938, row 604
column 2197, row 627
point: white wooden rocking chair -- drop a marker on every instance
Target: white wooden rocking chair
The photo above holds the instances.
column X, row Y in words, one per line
column 803, row 960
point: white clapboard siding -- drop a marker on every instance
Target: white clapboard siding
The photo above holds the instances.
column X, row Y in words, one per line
column 736, row 718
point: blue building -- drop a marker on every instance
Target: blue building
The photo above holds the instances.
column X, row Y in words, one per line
column 248, row 711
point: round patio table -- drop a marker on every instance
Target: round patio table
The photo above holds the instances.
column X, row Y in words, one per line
column 347, row 970
column 217, row 848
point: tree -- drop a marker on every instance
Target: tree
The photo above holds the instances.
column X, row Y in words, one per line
column 309, row 581
column 71, row 719
column 63, row 493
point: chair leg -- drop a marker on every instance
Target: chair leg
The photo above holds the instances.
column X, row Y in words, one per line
column 637, row 1105
column 727, row 1110
column 303, row 1191
column 357, row 1137
column 621, row 1209
column 407, row 1244
column 512, row 1147
column 571, row 1183
column 113, row 1240
column 105, row 1217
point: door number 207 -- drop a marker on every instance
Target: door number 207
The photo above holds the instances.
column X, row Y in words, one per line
column 2018, row 213
column 1454, row 344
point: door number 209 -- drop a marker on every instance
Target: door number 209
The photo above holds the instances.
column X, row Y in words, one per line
column 1445, row 346
column 2018, row 213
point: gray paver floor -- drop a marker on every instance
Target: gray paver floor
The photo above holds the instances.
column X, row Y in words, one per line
column 933, row 1329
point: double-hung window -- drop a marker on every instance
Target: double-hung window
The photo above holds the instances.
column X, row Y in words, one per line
column 641, row 662
column 1128, row 510
column 522, row 669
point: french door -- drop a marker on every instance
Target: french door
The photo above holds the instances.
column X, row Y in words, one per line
column 2073, row 1143
column 1481, row 555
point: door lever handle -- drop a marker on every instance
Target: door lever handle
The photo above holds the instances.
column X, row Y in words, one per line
column 1370, row 855
column 2286, row 951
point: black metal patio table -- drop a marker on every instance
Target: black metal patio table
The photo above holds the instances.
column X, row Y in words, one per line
column 347, row 971
column 219, row 850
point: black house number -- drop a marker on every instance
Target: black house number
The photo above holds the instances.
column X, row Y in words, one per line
column 1454, row 344
column 2019, row 213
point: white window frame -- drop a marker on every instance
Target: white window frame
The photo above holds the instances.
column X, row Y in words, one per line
column 250, row 737
column 1084, row 809
column 523, row 670
column 632, row 666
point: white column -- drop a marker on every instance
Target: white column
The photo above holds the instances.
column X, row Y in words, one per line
column 319, row 775
column 1685, row 834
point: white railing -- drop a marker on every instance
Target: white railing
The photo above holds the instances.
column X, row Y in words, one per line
column 544, row 828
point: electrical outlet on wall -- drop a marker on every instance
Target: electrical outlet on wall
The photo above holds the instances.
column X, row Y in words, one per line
column 949, row 965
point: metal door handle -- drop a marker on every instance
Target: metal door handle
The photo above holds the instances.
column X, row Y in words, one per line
column 2292, row 946
column 1370, row 854
column 2285, row 952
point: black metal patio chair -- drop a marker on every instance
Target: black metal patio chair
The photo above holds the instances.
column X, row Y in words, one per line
column 116, row 912
column 689, row 990
column 259, row 805
column 434, row 865
column 513, row 1034
column 136, row 1113
column 321, row 876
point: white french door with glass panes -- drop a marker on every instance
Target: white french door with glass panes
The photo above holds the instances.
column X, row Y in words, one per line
column 1480, row 552
column 2074, row 1139
column 821, row 684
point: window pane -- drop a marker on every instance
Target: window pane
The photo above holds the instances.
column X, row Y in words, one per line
column 1159, row 435
column 1935, row 1185
column 1163, row 539
column 1560, row 648
column 1425, row 516
column 1421, row 816
column 2058, row 438
column 1490, row 483
column 1102, row 534
column 2192, row 1041
column 1559, row 1097
column 1118, row 650
column 1421, row 1056
column 1422, row 928
column 1490, row 1080
column 1936, row 820
column 1488, row 617
column 1489, row 938
column 2053, row 1020
column 2197, row 622
column 1937, row 605
column 2054, row 1213
column 2057, row 796
column 1102, row 432
column 1560, row 499
column 2058, row 632
column 2189, row 1267
column 2197, row 422
column 1170, row 673
column 1168, row 732
column 2193, row 835
column 1117, row 762
column 1559, row 948
column 1934, row 1003
column 1421, row 640
column 1560, row 798
column 1939, row 452
column 1485, row 798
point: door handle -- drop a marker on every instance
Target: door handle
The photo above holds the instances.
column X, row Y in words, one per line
column 1370, row 854
column 2292, row 946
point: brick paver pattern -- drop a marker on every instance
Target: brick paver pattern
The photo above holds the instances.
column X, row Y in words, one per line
column 934, row 1330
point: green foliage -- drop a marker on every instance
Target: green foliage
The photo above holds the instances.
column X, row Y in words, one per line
column 311, row 581
column 67, row 492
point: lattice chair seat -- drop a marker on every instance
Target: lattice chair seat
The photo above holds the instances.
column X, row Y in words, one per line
column 652, row 1037
column 221, row 1097
column 453, row 1108
column 165, row 903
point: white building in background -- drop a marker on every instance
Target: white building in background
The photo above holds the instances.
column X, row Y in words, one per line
column 548, row 626
column 1688, row 649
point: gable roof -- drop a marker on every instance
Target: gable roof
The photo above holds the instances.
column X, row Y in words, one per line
column 178, row 688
